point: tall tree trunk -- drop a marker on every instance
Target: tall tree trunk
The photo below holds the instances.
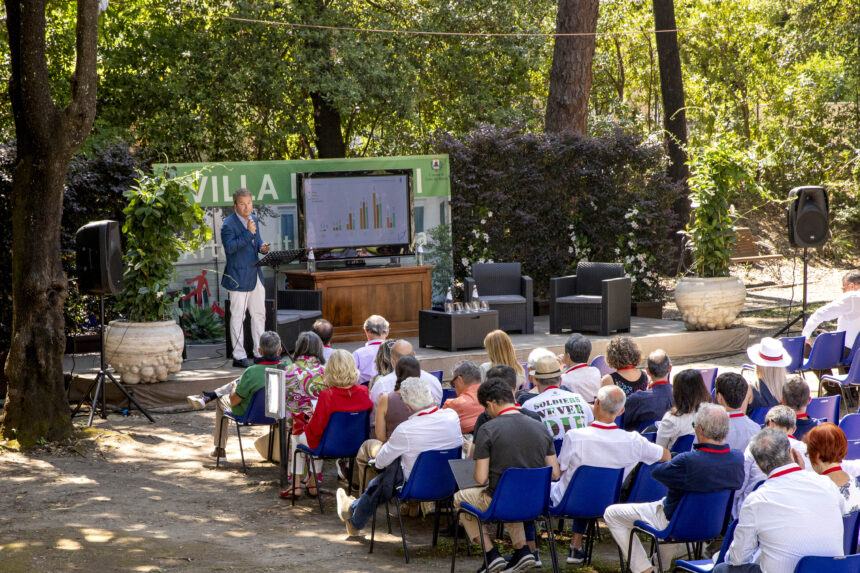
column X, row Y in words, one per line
column 47, row 137
column 672, row 90
column 329, row 138
column 570, row 74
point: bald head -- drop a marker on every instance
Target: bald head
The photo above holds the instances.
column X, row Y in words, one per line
column 658, row 365
column 401, row 348
column 609, row 403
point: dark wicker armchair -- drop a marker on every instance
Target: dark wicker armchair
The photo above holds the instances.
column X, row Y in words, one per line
column 506, row 291
column 595, row 299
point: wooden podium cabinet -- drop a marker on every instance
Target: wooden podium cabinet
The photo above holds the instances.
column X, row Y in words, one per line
column 349, row 296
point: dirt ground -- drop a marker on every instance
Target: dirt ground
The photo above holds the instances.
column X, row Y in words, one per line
column 133, row 496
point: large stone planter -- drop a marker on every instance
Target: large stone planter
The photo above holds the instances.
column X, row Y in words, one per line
column 709, row 303
column 144, row 352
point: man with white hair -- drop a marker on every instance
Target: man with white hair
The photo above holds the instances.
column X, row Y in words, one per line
column 604, row 445
column 376, row 331
column 427, row 428
column 711, row 466
column 793, row 514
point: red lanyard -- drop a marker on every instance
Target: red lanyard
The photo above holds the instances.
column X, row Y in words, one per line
column 626, row 368
column 374, row 343
column 577, row 367
column 512, row 408
column 831, row 470
column 783, row 472
column 792, row 437
column 602, row 426
column 804, row 415
column 713, row 451
column 427, row 413
column 551, row 387
column 736, row 415
column 660, row 383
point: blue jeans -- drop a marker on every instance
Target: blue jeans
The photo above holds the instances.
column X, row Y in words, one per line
column 364, row 507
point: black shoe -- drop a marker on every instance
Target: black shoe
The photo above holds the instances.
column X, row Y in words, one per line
column 244, row 363
column 521, row 560
column 495, row 562
column 575, row 555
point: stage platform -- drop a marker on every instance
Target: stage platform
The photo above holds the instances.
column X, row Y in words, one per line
column 207, row 367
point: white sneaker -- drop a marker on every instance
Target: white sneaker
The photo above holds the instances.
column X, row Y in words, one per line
column 344, row 511
column 196, row 401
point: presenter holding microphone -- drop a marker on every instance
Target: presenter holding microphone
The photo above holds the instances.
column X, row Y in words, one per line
column 242, row 243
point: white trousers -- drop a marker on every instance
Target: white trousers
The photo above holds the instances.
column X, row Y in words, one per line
column 619, row 519
column 253, row 302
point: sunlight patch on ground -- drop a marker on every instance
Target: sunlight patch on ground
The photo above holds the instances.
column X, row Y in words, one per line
column 100, row 498
column 77, row 480
column 241, row 533
column 97, row 535
column 68, row 545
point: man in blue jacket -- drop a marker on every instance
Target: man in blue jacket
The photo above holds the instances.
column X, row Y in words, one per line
column 240, row 236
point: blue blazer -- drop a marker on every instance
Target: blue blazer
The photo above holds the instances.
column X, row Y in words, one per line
column 241, row 247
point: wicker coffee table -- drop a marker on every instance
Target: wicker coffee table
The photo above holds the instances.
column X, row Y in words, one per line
column 455, row 330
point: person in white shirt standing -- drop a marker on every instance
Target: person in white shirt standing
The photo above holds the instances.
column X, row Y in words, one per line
column 793, row 514
column 731, row 392
column 604, row 445
column 845, row 309
column 376, row 331
column 578, row 376
column 560, row 410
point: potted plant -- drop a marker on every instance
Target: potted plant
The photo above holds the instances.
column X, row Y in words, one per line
column 161, row 222
column 712, row 299
column 637, row 252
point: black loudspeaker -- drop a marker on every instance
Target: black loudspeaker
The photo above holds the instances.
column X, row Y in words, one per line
column 808, row 217
column 98, row 256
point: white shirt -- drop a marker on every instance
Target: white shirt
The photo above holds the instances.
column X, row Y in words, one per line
column 385, row 384
column 672, row 427
column 560, row 410
column 429, row 429
column 851, row 467
column 328, row 351
column 582, row 379
column 741, row 431
column 601, row 445
column 846, row 309
column 790, row 516
column 753, row 474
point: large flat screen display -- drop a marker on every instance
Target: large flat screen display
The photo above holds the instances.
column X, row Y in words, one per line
column 354, row 211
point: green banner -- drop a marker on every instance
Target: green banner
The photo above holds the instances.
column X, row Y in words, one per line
column 274, row 182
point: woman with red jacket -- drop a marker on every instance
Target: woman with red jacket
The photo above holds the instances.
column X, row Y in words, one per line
column 342, row 395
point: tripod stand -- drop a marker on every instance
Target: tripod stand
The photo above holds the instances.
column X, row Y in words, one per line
column 802, row 316
column 99, row 382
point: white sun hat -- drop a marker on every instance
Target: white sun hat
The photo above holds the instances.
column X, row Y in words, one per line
column 769, row 352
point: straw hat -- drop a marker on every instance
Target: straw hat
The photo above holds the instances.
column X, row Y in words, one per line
column 546, row 367
column 769, row 352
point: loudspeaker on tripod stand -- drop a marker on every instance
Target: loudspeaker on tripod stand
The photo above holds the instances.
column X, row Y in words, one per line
column 98, row 257
column 808, row 217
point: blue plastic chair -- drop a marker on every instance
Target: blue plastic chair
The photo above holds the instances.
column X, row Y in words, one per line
column 557, row 444
column 709, row 375
column 522, row 494
column 850, row 531
column 758, row 415
column 699, row 517
column 599, row 362
column 645, row 488
column 647, row 424
column 255, row 415
column 850, row 425
column 431, row 479
column 849, row 380
column 826, row 353
column 342, row 437
column 854, row 348
column 853, row 450
column 795, row 347
column 683, row 444
column 590, row 491
column 437, row 374
column 847, row 564
column 619, row 421
column 650, row 436
column 447, row 394
column 707, row 565
column 825, row 409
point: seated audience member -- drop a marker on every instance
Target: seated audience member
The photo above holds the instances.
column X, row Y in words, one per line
column 560, row 410
column 500, row 350
column 324, row 330
column 731, row 392
column 382, row 361
column 341, row 395
column 235, row 396
column 711, row 466
column 653, row 403
column 507, row 374
column 770, row 360
column 509, row 440
column 795, row 395
column 385, row 384
column 793, row 514
column 466, row 378
column 826, row 446
column 390, row 413
column 376, row 331
column 783, row 419
column 578, row 376
column 428, row 428
column 536, row 354
column 604, row 445
column 688, row 391
column 624, row 355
